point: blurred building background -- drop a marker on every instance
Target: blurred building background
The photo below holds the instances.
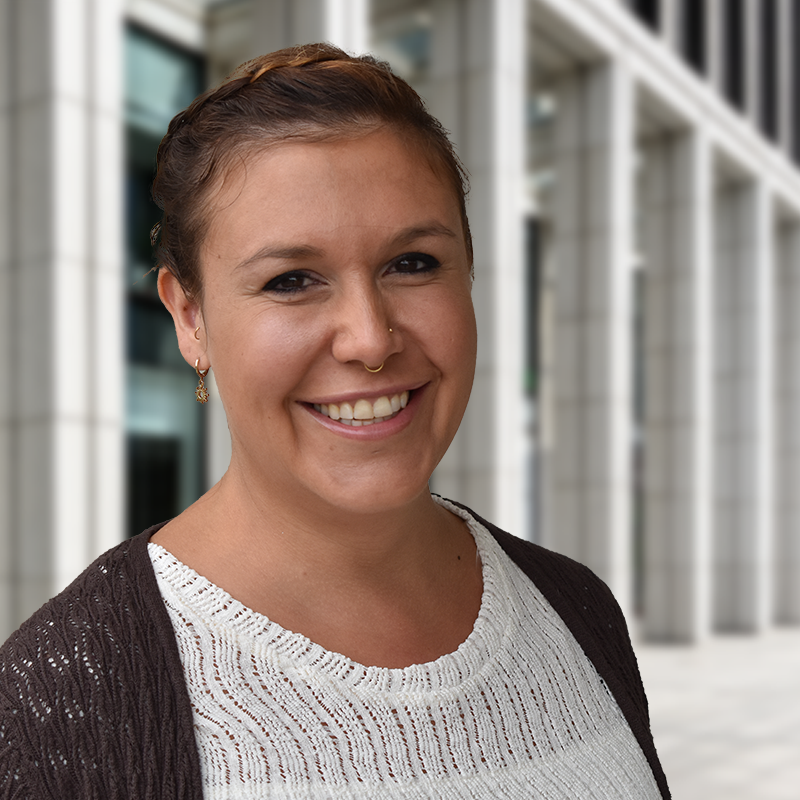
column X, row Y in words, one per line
column 636, row 212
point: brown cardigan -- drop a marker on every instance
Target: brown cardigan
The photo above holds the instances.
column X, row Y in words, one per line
column 94, row 706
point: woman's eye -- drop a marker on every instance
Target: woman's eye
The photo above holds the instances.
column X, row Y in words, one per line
column 415, row 263
column 289, row 283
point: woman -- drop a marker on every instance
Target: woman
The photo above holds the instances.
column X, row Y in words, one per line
column 318, row 625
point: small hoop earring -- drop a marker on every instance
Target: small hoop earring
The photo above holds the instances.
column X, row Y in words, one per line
column 201, row 393
column 376, row 369
column 195, row 333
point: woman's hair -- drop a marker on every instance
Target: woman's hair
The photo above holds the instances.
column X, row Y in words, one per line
column 308, row 93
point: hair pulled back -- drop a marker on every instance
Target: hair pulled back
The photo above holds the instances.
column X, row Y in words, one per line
column 307, row 93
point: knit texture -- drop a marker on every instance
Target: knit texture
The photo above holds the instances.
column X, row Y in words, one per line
column 93, row 701
column 517, row 711
column 595, row 619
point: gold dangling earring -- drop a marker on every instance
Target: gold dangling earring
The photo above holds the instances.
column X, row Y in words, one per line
column 201, row 393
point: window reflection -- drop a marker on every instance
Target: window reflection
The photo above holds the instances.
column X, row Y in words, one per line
column 163, row 422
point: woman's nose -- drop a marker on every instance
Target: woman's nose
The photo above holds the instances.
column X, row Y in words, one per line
column 365, row 330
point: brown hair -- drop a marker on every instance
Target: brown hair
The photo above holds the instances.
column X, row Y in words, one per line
column 308, row 93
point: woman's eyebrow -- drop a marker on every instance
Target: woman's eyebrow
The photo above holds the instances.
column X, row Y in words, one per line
column 304, row 251
column 425, row 231
column 286, row 253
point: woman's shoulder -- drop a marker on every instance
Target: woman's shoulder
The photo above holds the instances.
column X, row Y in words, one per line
column 578, row 595
column 96, row 662
column 92, row 606
column 594, row 617
column 555, row 574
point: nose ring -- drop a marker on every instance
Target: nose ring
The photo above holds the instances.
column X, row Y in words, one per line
column 377, row 369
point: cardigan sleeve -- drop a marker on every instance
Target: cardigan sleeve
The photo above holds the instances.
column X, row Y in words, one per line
column 18, row 774
column 92, row 695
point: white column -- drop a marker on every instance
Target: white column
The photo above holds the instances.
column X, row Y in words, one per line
column 752, row 60
column 670, row 24
column 593, row 244
column 62, row 282
column 786, row 78
column 9, row 616
column 282, row 23
column 744, row 388
column 787, row 524
column 677, row 363
column 477, row 90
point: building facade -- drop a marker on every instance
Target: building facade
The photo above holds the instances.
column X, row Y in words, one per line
column 635, row 206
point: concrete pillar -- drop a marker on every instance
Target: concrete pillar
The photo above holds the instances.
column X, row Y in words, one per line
column 593, row 252
column 61, row 285
column 670, row 24
column 787, row 524
column 786, row 78
column 477, row 90
column 743, row 517
column 677, row 362
column 752, row 60
column 281, row 23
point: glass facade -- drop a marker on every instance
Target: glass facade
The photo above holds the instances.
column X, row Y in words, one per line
column 648, row 11
column 768, row 21
column 734, row 38
column 693, row 20
column 164, row 424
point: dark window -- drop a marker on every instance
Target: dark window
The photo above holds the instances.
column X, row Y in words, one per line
column 648, row 11
column 152, row 487
column 532, row 280
column 150, row 334
column 164, row 422
column 693, row 19
column 768, row 34
column 795, row 79
column 734, row 52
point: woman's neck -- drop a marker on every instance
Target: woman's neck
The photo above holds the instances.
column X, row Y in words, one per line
column 386, row 586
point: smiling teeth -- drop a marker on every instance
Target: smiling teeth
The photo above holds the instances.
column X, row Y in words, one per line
column 363, row 412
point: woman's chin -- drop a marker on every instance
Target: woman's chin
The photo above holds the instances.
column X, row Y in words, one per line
column 370, row 496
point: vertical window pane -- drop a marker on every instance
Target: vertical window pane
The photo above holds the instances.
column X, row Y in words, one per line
column 694, row 33
column 163, row 421
column 768, row 41
column 734, row 52
column 795, row 80
column 648, row 11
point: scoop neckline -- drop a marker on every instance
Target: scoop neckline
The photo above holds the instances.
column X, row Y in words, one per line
column 298, row 656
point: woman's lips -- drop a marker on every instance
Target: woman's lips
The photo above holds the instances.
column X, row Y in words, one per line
column 364, row 412
column 376, row 428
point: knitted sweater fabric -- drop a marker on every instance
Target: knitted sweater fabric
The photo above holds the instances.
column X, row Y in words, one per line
column 94, row 702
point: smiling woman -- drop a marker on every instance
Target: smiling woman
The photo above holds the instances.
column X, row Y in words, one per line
column 318, row 624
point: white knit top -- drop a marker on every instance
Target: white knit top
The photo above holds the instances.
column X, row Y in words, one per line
column 517, row 711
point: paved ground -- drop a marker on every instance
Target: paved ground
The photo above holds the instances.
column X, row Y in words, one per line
column 726, row 716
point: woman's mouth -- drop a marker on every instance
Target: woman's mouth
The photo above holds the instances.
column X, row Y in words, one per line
column 364, row 412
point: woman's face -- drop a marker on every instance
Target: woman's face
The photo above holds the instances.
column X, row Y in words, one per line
column 321, row 258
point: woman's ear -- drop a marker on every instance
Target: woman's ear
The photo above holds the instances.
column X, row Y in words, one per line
column 186, row 315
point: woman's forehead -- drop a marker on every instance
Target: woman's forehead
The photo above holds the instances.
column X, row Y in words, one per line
column 375, row 180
